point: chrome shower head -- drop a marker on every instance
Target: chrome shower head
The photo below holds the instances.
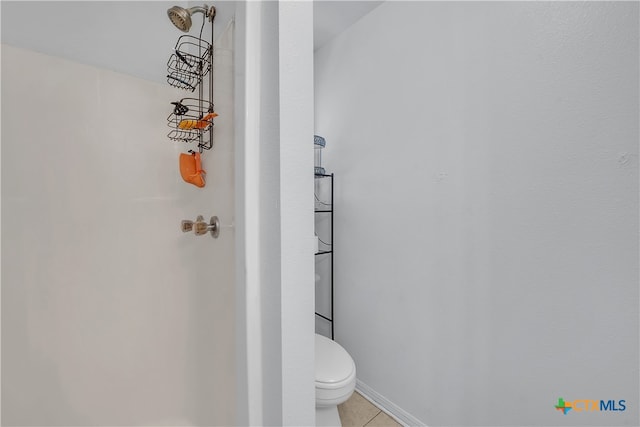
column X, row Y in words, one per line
column 181, row 17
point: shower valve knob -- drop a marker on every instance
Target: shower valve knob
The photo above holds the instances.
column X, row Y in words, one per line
column 186, row 225
column 201, row 227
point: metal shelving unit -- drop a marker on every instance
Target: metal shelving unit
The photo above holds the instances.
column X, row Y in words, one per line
column 329, row 252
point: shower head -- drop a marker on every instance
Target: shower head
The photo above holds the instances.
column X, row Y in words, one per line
column 181, row 17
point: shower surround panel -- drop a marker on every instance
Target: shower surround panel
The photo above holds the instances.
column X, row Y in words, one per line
column 110, row 315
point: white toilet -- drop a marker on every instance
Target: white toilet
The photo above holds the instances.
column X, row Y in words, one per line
column 335, row 380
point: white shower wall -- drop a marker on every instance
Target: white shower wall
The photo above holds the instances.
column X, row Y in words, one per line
column 110, row 314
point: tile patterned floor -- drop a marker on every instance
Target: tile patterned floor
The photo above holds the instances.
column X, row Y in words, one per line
column 359, row 412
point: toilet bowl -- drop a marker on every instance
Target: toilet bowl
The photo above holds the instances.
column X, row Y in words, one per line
column 335, row 380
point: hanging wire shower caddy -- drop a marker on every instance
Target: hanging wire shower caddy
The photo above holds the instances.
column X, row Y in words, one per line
column 192, row 117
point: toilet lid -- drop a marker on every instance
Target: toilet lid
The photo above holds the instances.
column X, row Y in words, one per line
column 333, row 363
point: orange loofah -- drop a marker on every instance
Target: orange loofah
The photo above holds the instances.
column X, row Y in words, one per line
column 191, row 169
column 197, row 124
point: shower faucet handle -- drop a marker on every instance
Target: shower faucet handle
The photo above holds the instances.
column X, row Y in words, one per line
column 200, row 227
column 186, row 225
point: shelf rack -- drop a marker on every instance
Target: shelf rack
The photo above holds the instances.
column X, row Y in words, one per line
column 328, row 252
column 185, row 69
column 196, row 110
column 187, row 66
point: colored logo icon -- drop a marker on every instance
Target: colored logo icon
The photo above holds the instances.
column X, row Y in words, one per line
column 563, row 406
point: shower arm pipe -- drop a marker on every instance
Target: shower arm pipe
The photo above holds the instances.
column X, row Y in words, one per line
column 205, row 10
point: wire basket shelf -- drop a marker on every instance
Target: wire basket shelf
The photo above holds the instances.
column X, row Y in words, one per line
column 189, row 63
column 190, row 120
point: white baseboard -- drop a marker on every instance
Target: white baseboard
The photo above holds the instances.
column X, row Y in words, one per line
column 387, row 406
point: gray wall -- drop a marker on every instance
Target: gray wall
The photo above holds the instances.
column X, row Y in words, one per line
column 270, row 232
column 278, row 98
column 486, row 235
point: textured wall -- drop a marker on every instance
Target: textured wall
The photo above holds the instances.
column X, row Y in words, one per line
column 486, row 160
